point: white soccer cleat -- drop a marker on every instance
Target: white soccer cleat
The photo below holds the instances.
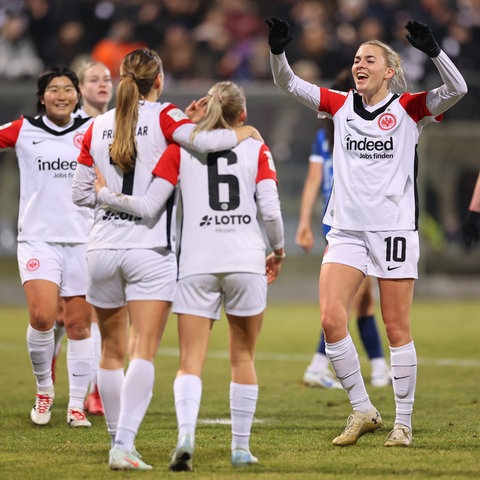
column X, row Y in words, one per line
column 400, row 436
column 41, row 411
column 77, row 418
column 358, row 424
column 321, row 378
column 182, row 457
column 242, row 458
column 119, row 459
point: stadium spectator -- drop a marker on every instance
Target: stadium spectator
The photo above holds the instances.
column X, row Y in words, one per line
column 131, row 260
column 373, row 208
column 231, row 50
column 178, row 54
column 18, row 56
column 120, row 41
column 52, row 239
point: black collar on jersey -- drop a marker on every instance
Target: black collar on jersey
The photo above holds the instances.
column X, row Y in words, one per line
column 360, row 110
column 38, row 122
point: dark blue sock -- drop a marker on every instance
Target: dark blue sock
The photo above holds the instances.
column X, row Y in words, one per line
column 321, row 344
column 367, row 328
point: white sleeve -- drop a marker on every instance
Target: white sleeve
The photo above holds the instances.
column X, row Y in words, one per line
column 83, row 190
column 211, row 141
column 284, row 78
column 453, row 89
column 269, row 206
column 315, row 158
column 147, row 206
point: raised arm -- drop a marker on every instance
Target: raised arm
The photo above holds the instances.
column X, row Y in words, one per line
column 454, row 87
column 283, row 76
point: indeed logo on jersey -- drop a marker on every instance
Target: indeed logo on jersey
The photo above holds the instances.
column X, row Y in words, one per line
column 379, row 148
column 64, row 168
column 225, row 220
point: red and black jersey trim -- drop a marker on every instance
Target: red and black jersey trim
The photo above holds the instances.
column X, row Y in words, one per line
column 360, row 110
column 39, row 123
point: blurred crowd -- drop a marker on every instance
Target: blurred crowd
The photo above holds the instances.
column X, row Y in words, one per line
column 202, row 40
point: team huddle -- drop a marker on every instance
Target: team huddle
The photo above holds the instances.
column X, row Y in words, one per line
column 98, row 229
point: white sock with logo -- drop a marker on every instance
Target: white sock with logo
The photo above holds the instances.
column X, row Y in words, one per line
column 79, row 366
column 40, row 348
column 344, row 359
column 404, row 379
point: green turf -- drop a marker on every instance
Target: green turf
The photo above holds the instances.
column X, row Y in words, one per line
column 295, row 424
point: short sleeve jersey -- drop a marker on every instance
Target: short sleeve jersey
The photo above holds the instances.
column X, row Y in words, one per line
column 47, row 159
column 220, row 231
column 114, row 229
column 374, row 160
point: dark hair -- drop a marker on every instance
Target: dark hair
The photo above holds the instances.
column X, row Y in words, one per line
column 47, row 76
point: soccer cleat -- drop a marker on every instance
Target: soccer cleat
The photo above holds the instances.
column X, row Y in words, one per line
column 93, row 403
column 357, row 424
column 41, row 411
column 381, row 377
column 242, row 458
column 182, row 457
column 400, row 436
column 77, row 418
column 119, row 459
column 321, row 378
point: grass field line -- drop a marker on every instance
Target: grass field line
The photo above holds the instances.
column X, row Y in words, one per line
column 303, row 357
column 297, row 357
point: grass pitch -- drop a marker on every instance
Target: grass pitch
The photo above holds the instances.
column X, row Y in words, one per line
column 294, row 424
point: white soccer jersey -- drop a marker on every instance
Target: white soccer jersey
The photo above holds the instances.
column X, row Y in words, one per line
column 374, row 157
column 375, row 161
column 220, row 231
column 113, row 229
column 47, row 159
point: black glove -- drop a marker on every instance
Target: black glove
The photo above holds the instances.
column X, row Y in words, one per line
column 278, row 35
column 470, row 228
column 421, row 37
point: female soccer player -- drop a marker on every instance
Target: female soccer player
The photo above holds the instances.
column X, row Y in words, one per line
column 96, row 90
column 222, row 260
column 131, row 258
column 52, row 238
column 96, row 87
column 320, row 174
column 373, row 209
